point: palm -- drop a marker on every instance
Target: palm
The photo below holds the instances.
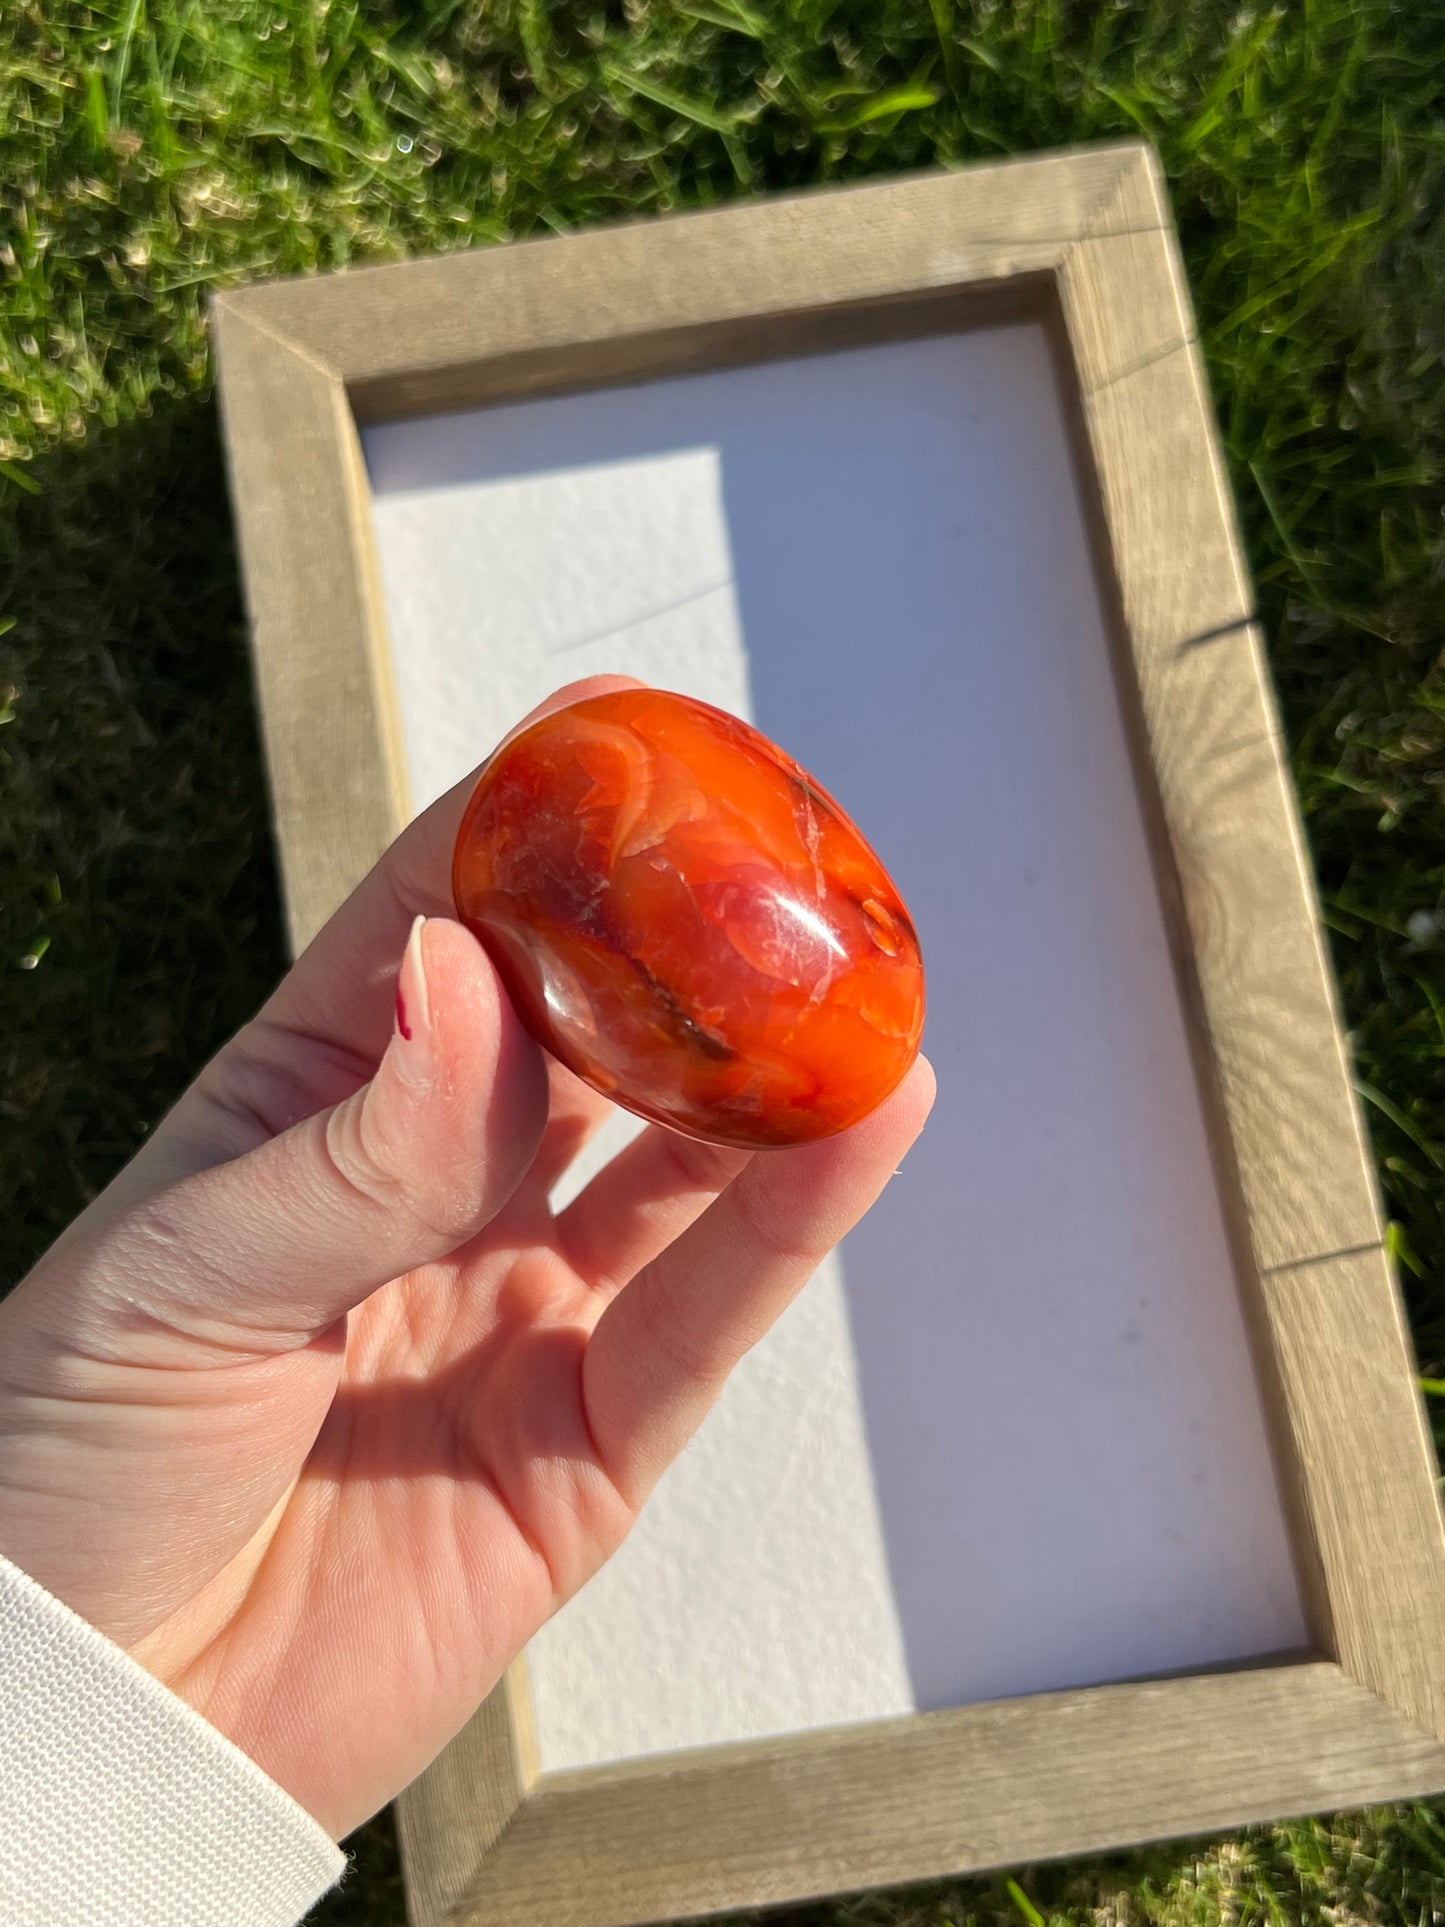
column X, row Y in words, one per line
column 452, row 1500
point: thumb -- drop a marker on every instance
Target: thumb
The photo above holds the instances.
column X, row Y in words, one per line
column 285, row 1239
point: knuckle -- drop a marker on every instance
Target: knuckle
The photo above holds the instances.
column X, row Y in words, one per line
column 355, row 1159
column 769, row 1230
column 391, row 1172
column 684, row 1358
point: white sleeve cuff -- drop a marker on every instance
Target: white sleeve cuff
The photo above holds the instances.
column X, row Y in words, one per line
column 120, row 1804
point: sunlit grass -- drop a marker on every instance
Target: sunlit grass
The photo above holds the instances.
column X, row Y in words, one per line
column 151, row 150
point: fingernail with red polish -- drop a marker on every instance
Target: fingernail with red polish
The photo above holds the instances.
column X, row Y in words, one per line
column 413, row 1008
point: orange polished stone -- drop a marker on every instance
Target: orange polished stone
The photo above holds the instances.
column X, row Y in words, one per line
column 689, row 922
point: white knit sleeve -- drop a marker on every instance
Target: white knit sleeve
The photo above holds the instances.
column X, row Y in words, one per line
column 119, row 1805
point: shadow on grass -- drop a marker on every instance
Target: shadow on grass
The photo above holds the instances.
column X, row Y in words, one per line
column 140, row 920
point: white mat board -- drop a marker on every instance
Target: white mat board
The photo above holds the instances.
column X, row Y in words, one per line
column 1010, row 1439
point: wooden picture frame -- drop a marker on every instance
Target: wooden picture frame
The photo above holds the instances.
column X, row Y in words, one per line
column 1084, row 241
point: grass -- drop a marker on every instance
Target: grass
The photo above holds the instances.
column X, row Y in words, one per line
column 153, row 149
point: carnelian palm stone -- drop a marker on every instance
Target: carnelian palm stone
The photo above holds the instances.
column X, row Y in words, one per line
column 688, row 922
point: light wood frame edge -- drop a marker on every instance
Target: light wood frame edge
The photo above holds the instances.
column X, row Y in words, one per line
column 935, row 1794
column 1086, row 238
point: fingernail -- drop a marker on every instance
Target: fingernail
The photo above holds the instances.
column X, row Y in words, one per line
column 413, row 1009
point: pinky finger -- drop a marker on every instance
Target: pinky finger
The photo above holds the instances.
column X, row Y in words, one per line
column 663, row 1349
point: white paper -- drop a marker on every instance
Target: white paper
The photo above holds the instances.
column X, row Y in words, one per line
column 1010, row 1440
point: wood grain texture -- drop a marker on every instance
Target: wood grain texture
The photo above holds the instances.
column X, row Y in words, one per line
column 1347, row 1379
column 1213, row 738
column 452, row 1817
column 380, row 327
column 317, row 622
column 1165, row 500
column 1122, row 285
column 1136, row 198
column 943, row 1793
column 1296, row 1179
column 1279, row 1051
column 1123, row 303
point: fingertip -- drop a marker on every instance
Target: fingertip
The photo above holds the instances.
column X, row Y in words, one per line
column 583, row 691
column 920, row 1088
column 897, row 1121
column 900, row 1119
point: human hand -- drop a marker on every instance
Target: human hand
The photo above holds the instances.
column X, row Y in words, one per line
column 320, row 1411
